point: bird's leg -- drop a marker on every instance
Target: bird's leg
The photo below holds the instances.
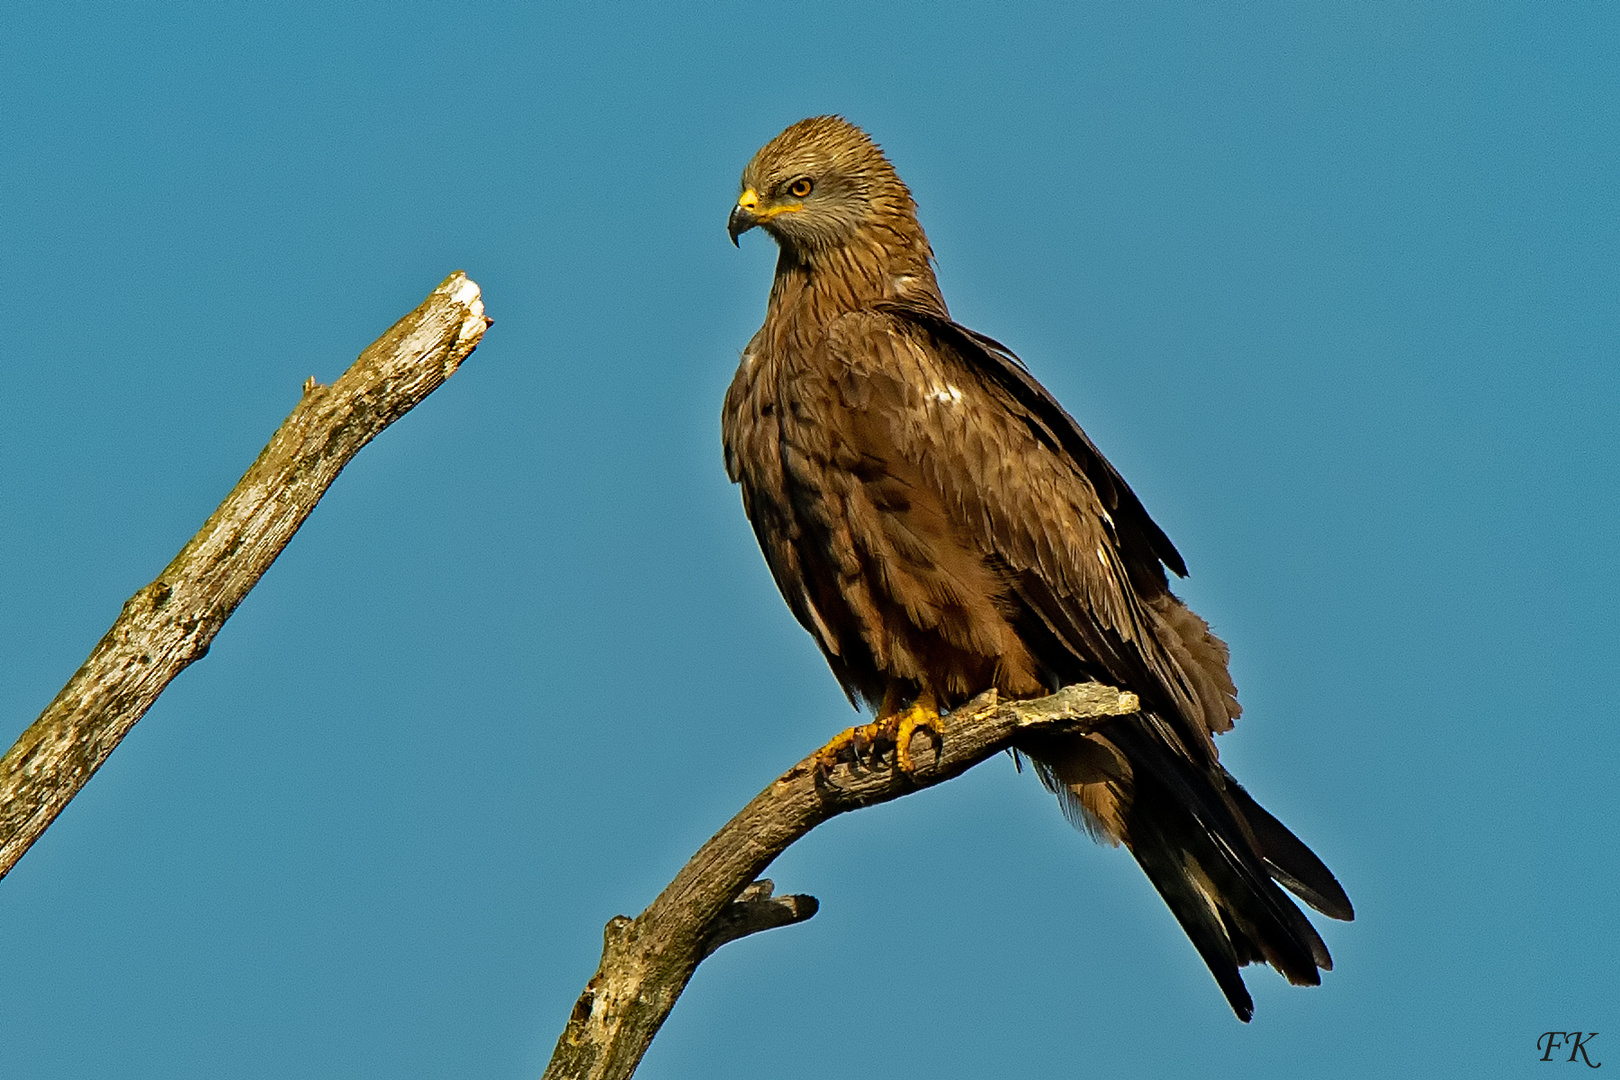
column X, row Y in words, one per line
column 894, row 724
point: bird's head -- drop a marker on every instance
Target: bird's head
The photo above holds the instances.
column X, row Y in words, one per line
column 817, row 186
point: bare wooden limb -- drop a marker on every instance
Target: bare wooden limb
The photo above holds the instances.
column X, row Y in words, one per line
column 170, row 623
column 647, row 961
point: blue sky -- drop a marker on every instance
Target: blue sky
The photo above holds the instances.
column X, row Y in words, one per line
column 1334, row 286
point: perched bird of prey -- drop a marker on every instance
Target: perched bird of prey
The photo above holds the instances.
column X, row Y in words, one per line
column 941, row 526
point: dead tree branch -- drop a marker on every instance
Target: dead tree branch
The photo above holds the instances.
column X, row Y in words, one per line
column 716, row 898
column 170, row 623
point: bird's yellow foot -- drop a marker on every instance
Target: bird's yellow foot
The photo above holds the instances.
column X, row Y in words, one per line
column 894, row 728
column 851, row 739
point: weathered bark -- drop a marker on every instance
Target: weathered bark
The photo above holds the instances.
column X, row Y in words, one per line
column 647, row 961
column 170, row 623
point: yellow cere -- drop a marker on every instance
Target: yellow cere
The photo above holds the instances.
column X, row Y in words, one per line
column 749, row 201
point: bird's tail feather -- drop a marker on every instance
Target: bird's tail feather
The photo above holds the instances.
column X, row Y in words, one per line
column 1294, row 865
column 1211, row 855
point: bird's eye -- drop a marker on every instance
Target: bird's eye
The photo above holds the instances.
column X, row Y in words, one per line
column 800, row 187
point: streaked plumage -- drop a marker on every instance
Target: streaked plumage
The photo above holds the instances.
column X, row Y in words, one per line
column 939, row 524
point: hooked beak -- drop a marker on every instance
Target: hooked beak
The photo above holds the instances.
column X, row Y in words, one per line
column 739, row 222
column 744, row 215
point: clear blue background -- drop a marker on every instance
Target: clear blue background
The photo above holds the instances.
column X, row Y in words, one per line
column 1336, row 286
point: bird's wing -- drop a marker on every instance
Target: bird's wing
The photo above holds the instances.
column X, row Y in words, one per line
column 1021, row 478
column 1053, row 424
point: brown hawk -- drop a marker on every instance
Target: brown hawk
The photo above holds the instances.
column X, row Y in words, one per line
column 941, row 526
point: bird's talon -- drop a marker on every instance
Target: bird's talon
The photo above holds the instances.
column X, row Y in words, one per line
column 865, row 743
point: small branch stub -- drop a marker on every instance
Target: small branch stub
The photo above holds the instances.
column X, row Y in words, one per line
column 170, row 623
column 755, row 910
